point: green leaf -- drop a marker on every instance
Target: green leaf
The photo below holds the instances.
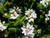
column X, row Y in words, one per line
column 36, row 26
column 41, row 16
column 2, row 9
column 6, row 24
column 43, row 12
column 6, row 3
column 18, row 36
column 24, row 18
column 32, row 5
column 12, row 29
column 25, row 8
column 35, row 31
column 40, row 6
column 12, row 0
column 8, row 16
column 19, row 22
column 48, row 36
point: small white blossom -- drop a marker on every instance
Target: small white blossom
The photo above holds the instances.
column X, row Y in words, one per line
column 5, row 14
column 18, row 10
column 28, row 30
column 31, row 19
column 39, row 30
column 14, row 17
column 27, row 13
column 1, row 26
column 14, row 7
column 3, row 22
column 44, row 2
column 12, row 10
column 47, row 16
column 34, row 15
column 27, row 18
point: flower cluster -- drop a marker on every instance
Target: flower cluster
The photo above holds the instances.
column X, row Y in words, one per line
column 44, row 2
column 47, row 16
column 2, row 27
column 15, row 12
column 28, row 30
column 31, row 15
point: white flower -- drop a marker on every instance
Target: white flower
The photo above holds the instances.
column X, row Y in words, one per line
column 39, row 30
column 27, row 13
column 49, row 11
column 34, row 15
column 31, row 19
column 5, row 14
column 14, row 17
column 18, row 10
column 3, row 22
column 14, row 12
column 31, row 15
column 44, row 2
column 14, row 7
column 1, row 26
column 47, row 16
column 28, row 30
column 27, row 18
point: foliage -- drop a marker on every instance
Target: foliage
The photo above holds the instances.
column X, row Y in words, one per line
column 14, row 26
